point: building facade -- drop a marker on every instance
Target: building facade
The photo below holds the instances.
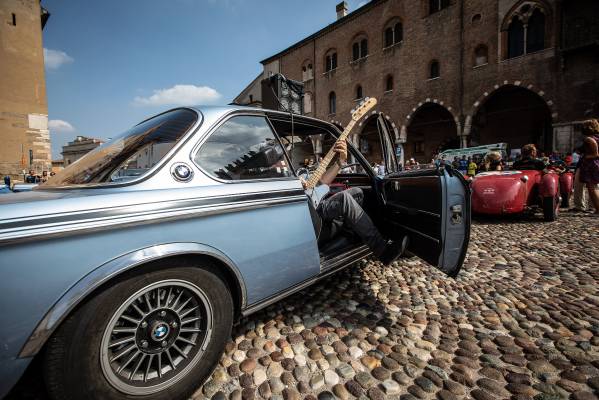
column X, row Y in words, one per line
column 79, row 147
column 24, row 135
column 451, row 73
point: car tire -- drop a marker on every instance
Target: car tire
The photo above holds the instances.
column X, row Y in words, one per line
column 549, row 209
column 82, row 357
column 565, row 200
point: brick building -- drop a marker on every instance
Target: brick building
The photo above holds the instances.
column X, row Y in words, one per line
column 24, row 135
column 451, row 73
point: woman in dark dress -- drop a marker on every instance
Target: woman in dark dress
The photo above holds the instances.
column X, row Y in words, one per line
column 589, row 163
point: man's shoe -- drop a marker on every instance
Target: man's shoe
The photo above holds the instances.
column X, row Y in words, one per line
column 394, row 250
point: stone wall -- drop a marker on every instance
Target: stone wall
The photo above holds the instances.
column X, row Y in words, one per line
column 23, row 107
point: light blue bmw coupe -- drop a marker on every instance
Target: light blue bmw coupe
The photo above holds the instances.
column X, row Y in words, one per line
column 124, row 272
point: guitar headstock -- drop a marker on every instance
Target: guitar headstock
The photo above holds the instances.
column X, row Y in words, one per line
column 365, row 105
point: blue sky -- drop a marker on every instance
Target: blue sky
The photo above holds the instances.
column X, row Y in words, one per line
column 112, row 63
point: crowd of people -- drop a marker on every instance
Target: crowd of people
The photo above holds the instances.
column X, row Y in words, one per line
column 584, row 159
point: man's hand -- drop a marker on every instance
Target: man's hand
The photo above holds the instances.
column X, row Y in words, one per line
column 341, row 149
column 304, row 183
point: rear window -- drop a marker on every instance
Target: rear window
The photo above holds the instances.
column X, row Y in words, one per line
column 129, row 155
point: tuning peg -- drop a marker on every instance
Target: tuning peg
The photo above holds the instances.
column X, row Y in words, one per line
column 366, row 99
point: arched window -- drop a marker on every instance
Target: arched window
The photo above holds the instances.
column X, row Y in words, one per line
column 330, row 62
column 524, row 30
column 389, row 83
column 393, row 34
column 481, row 55
column 359, row 93
column 359, row 49
column 434, row 70
column 535, row 32
column 332, row 103
column 515, row 38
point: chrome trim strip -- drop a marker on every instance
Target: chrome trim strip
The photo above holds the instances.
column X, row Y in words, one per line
column 110, row 270
column 344, row 261
column 60, row 224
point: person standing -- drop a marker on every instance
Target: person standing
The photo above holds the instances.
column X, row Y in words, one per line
column 589, row 163
column 471, row 167
column 463, row 165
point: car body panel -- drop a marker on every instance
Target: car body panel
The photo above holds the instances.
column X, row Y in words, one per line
column 512, row 192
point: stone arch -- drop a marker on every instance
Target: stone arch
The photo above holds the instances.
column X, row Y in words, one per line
column 367, row 130
column 522, row 112
column 485, row 95
column 420, row 141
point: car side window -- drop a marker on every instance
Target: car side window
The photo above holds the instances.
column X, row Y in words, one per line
column 242, row 148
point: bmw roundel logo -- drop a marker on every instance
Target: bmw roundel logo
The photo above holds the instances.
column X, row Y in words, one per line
column 182, row 172
column 160, row 331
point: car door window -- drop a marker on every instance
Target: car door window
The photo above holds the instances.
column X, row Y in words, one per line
column 244, row 147
column 307, row 144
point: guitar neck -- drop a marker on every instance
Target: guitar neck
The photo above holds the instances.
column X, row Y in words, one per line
column 324, row 164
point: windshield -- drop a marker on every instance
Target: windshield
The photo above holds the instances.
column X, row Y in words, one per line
column 130, row 154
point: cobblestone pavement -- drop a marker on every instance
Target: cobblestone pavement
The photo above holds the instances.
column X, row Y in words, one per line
column 521, row 321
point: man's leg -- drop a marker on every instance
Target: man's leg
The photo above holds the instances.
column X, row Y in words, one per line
column 346, row 205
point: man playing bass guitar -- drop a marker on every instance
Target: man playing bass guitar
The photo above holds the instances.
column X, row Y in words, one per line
column 347, row 206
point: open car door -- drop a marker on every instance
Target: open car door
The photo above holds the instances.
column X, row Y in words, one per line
column 432, row 207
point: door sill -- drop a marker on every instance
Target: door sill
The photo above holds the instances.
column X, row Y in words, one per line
column 328, row 267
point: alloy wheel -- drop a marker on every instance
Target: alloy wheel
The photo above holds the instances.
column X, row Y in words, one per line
column 156, row 337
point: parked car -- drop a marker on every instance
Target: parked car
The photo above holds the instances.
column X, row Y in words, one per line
column 519, row 192
column 128, row 288
column 23, row 187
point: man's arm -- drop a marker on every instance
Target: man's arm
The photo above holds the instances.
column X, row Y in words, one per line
column 329, row 176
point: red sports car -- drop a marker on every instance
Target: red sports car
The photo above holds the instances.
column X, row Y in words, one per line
column 517, row 192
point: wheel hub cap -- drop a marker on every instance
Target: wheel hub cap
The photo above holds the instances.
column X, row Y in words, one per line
column 156, row 337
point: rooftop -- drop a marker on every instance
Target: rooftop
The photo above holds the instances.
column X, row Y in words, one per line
column 341, row 21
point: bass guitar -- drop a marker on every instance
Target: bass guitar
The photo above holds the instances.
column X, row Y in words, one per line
column 314, row 189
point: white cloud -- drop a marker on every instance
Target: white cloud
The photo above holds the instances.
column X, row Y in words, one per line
column 362, row 3
column 54, row 59
column 180, row 95
column 58, row 125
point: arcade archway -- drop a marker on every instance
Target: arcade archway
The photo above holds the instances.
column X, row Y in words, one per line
column 514, row 115
column 432, row 129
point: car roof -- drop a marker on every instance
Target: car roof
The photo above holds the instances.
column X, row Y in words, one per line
column 218, row 111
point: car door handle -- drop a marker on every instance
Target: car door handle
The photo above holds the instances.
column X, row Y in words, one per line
column 456, row 214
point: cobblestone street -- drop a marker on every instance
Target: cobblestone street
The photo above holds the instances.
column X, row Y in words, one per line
column 521, row 321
